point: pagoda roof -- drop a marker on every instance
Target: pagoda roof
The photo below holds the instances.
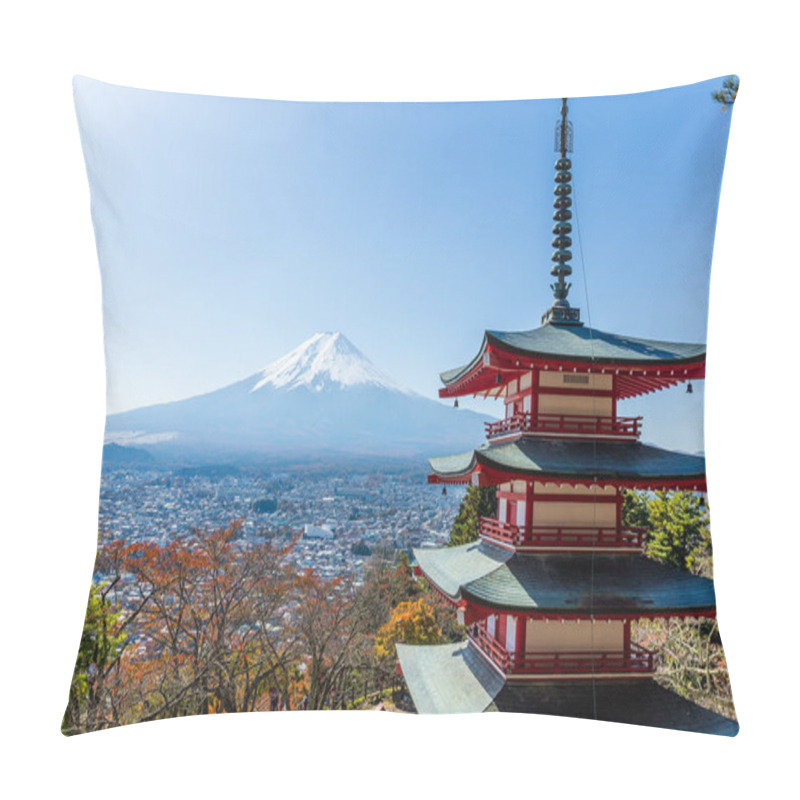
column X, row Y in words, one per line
column 560, row 584
column 553, row 345
column 455, row 678
column 572, row 460
column 449, row 679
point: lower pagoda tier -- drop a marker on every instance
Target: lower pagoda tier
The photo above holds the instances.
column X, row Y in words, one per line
column 629, row 464
column 480, row 577
column 457, row 678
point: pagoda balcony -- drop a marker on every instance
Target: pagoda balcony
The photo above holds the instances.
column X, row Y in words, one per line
column 557, row 537
column 636, row 660
column 565, row 425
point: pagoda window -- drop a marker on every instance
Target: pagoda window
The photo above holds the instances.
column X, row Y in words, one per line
column 491, row 622
column 526, row 381
column 576, row 381
column 527, row 404
column 511, row 634
column 502, row 509
column 520, row 520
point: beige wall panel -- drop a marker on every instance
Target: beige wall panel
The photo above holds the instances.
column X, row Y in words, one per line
column 600, row 515
column 584, row 405
column 579, row 491
column 570, row 637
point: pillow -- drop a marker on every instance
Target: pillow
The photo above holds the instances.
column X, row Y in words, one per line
column 341, row 528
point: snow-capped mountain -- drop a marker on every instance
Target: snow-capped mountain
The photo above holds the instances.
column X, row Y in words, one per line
column 321, row 361
column 323, row 398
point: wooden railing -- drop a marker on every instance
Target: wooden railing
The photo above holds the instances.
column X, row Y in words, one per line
column 505, row 532
column 636, row 659
column 556, row 424
column 560, row 536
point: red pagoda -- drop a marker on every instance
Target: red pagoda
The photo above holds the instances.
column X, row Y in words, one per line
column 550, row 590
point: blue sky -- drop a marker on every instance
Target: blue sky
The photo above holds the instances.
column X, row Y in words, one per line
column 231, row 230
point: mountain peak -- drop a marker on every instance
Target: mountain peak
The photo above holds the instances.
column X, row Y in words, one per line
column 326, row 360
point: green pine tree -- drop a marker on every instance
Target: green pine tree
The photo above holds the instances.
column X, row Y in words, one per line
column 635, row 512
column 726, row 96
column 679, row 532
column 101, row 644
column 479, row 501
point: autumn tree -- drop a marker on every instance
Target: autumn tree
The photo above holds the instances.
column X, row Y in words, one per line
column 208, row 635
column 328, row 622
column 411, row 622
column 479, row 501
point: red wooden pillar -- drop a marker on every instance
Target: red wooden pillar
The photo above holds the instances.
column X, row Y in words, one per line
column 500, row 628
column 528, row 509
column 626, row 637
column 520, row 637
column 613, row 397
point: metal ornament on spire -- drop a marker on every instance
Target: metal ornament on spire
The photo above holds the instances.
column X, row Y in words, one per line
column 561, row 313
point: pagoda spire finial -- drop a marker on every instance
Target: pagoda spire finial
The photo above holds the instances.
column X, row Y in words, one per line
column 561, row 313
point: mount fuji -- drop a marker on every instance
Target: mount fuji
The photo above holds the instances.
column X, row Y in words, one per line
column 324, row 398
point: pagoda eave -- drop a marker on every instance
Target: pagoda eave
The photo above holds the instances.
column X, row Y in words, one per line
column 628, row 465
column 561, row 586
column 478, row 602
column 471, row 611
column 486, row 476
column 497, row 362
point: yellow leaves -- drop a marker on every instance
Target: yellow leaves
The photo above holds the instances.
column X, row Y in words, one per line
column 412, row 622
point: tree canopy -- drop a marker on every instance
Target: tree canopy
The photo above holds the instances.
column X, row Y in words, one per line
column 726, row 96
column 679, row 531
column 412, row 622
column 479, row 501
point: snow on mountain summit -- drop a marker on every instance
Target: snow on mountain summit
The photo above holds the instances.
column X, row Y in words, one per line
column 319, row 362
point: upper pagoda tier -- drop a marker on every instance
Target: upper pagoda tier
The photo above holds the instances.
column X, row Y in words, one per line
column 637, row 366
column 574, row 462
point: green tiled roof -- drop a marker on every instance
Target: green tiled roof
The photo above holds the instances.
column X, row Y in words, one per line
column 572, row 458
column 581, row 583
column 574, row 343
column 448, row 678
column 455, row 679
column 635, row 702
column 451, row 567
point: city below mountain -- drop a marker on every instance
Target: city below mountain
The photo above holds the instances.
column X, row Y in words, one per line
column 323, row 399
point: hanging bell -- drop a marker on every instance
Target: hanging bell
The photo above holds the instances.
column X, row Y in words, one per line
column 499, row 379
column 444, row 491
column 455, row 403
column 689, row 389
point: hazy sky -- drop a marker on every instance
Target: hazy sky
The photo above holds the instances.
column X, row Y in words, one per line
column 231, row 230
